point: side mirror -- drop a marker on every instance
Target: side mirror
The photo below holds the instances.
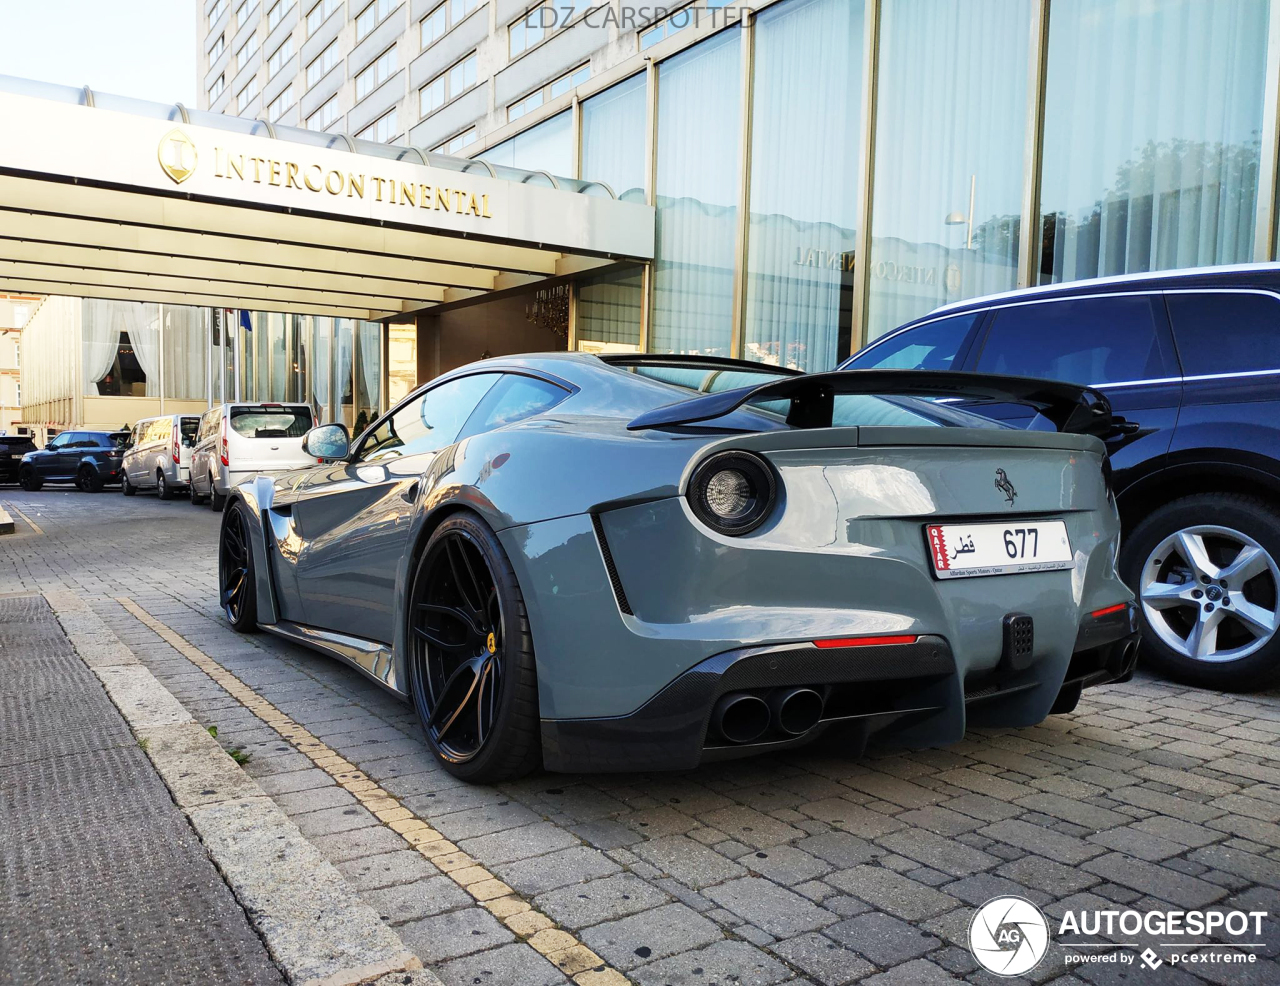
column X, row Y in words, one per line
column 329, row 442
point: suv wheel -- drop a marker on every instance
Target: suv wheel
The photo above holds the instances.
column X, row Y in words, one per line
column 29, row 481
column 126, row 487
column 88, row 480
column 1208, row 583
column 162, row 486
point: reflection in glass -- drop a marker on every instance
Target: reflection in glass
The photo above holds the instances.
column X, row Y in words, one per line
column 547, row 147
column 120, row 348
column 608, row 312
column 804, row 188
column 1151, row 144
column 951, row 124
column 344, row 344
column 613, row 128
column 368, row 373
column 184, row 352
column 697, row 193
column 320, row 372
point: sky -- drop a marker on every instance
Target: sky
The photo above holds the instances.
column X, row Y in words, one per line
column 140, row 48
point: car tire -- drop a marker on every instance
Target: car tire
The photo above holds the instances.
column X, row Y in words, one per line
column 1206, row 570
column 126, row 487
column 196, row 498
column 237, row 581
column 163, row 490
column 29, row 481
column 216, row 501
column 487, row 649
column 88, row 480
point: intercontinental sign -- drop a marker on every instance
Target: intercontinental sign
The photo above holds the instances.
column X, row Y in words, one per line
column 179, row 158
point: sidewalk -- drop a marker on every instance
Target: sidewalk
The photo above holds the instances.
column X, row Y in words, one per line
column 102, row 879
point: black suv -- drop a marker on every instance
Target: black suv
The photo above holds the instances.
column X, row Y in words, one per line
column 90, row 459
column 12, row 449
column 1191, row 363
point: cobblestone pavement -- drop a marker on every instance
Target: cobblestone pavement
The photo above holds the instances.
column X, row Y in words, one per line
column 796, row 868
column 101, row 878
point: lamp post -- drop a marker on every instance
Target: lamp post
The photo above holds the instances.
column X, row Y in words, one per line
column 960, row 219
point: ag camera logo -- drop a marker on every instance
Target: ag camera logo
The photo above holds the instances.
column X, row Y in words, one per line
column 1008, row 936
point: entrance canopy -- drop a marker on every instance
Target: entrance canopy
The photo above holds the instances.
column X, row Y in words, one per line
column 106, row 197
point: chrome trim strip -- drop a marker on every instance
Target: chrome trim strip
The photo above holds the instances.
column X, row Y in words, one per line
column 367, row 656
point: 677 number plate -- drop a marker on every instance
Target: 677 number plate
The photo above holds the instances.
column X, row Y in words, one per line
column 966, row 550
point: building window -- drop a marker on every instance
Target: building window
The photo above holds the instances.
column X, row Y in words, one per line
column 279, row 57
column 433, row 26
column 1151, row 157
column 376, row 74
column 448, row 85
column 280, row 103
column 372, row 16
column 322, row 64
column 218, row 47
column 664, row 29
column 247, row 95
column 216, row 12
column 244, row 11
column 219, row 84
column 608, row 311
column 613, row 125
column 458, row 9
column 547, row 147
column 699, row 124
column 557, row 87
column 323, row 118
column 320, row 13
column 276, row 13
column 528, row 104
column 247, row 50
column 454, row 144
column 537, row 24
column 948, row 170
column 383, row 129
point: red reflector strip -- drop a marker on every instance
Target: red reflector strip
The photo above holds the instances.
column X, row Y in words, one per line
column 865, row 641
column 1109, row 609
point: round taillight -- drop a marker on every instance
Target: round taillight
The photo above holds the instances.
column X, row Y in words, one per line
column 733, row 492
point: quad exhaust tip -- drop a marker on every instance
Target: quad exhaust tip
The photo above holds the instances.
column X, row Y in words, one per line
column 742, row 717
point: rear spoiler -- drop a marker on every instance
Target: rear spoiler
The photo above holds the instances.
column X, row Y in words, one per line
column 1071, row 408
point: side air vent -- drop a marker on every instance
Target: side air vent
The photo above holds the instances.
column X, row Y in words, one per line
column 610, row 567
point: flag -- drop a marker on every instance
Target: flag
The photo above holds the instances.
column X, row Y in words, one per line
column 244, row 321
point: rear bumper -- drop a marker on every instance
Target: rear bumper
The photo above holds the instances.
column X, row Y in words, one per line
column 907, row 688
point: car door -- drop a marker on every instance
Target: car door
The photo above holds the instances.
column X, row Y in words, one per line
column 49, row 462
column 352, row 518
column 200, row 454
column 1119, row 343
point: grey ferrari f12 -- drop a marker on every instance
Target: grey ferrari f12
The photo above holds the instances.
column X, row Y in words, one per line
column 644, row 562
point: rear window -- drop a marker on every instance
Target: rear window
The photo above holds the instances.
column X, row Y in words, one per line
column 15, row 441
column 271, row 422
column 705, row 381
column 189, row 428
column 932, row 346
column 117, row 439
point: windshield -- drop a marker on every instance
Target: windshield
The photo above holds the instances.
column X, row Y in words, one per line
column 267, row 421
column 708, row 381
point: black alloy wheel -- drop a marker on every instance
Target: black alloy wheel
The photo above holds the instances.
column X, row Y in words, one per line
column 236, row 583
column 28, row 480
column 471, row 670
column 88, row 481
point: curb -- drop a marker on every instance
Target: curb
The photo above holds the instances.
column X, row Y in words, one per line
column 6, row 522
column 314, row 926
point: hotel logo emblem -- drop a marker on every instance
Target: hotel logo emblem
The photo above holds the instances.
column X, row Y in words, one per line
column 177, row 156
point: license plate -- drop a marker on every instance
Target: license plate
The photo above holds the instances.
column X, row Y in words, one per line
column 962, row 551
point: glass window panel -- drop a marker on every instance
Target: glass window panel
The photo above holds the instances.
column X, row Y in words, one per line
column 932, row 346
column 697, row 193
column 120, row 348
column 613, row 127
column 1226, row 333
column 513, row 398
column 804, row 167
column 608, row 312
column 185, row 353
column 949, row 153
column 1083, row 340
column 368, row 373
column 433, row 26
column 1151, row 143
column 547, row 147
column 343, row 344
column 429, row 422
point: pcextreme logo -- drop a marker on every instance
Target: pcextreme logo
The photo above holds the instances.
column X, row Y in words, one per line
column 1009, row 936
column 177, row 156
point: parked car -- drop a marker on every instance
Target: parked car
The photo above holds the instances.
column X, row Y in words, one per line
column 90, row 459
column 1190, row 360
column 158, row 455
column 643, row 563
column 236, row 441
column 12, row 449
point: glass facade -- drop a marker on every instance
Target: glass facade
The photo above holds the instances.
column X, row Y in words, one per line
column 980, row 150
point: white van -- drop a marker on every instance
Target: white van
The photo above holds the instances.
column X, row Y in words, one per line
column 236, row 441
column 157, row 455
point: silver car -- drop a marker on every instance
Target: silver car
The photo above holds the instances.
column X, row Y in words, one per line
column 236, row 441
column 158, row 455
column 645, row 562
